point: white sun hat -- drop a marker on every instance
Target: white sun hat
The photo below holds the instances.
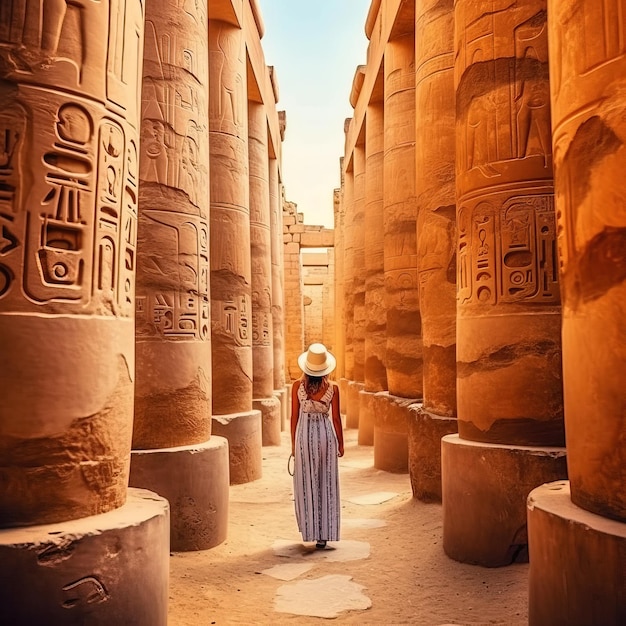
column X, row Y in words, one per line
column 317, row 360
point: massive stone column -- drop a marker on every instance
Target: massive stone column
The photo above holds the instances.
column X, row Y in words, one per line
column 404, row 333
column 340, row 299
column 510, row 408
column 351, row 400
column 584, row 520
column 278, row 298
column 261, row 256
column 172, row 452
column 68, row 217
column 231, row 308
column 436, row 242
column 357, row 284
column 375, row 375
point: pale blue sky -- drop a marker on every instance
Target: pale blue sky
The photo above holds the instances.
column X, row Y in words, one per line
column 315, row 48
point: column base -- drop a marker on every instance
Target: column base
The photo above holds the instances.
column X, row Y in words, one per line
column 352, row 406
column 281, row 394
column 577, row 562
column 244, row 434
column 391, row 438
column 367, row 413
column 484, row 490
column 104, row 569
column 195, row 481
column 270, row 419
column 425, row 432
column 343, row 395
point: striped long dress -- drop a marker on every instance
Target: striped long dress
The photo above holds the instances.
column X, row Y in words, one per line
column 316, row 472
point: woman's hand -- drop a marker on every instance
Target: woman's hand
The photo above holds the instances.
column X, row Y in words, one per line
column 340, row 453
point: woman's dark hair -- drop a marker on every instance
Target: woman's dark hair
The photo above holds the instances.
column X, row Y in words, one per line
column 312, row 384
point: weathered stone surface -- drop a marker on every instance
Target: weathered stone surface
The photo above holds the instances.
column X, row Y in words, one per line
column 358, row 277
column 425, row 432
column 375, row 374
column 195, row 481
column 436, row 200
column 245, row 439
column 230, row 263
column 270, row 419
column 353, row 404
column 367, row 418
column 589, row 135
column 69, row 177
column 403, row 358
column 173, row 388
column 104, row 569
column 484, row 504
column 391, row 432
column 508, row 338
column 561, row 538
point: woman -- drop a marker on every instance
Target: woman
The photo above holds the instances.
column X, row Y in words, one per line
column 316, row 442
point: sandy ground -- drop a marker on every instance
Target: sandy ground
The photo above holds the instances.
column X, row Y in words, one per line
column 391, row 553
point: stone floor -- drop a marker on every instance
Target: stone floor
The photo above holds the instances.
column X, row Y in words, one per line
column 389, row 568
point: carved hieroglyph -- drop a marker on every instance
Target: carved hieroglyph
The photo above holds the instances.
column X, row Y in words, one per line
column 173, row 390
column 435, row 189
column 508, row 350
column 231, row 311
column 589, row 134
column 68, row 226
column 260, row 253
column 404, row 334
column 375, row 311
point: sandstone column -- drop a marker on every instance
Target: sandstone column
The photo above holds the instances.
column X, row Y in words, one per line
column 233, row 416
column 510, row 408
column 584, row 520
column 436, row 242
column 340, row 302
column 375, row 375
column 261, row 256
column 172, row 451
column 351, row 404
column 357, row 285
column 278, row 298
column 68, row 218
column 294, row 307
column 404, row 332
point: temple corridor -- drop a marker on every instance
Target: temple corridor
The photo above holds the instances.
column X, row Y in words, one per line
column 390, row 558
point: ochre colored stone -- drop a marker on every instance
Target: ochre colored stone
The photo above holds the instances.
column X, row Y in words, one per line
column 111, row 568
column 508, row 325
column 426, row 430
column 391, row 441
column 577, row 558
column 195, row 481
column 244, row 434
column 484, row 503
column 375, row 374
column 436, row 200
column 403, row 359
column 367, row 418
column 173, row 321
column 231, row 312
column 588, row 102
column 69, row 176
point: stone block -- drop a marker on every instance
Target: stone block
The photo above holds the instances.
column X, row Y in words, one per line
column 99, row 570
column 425, row 432
column 577, row 562
column 244, row 434
column 484, row 492
column 195, row 481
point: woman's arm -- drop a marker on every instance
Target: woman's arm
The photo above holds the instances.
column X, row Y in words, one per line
column 295, row 413
column 337, row 418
